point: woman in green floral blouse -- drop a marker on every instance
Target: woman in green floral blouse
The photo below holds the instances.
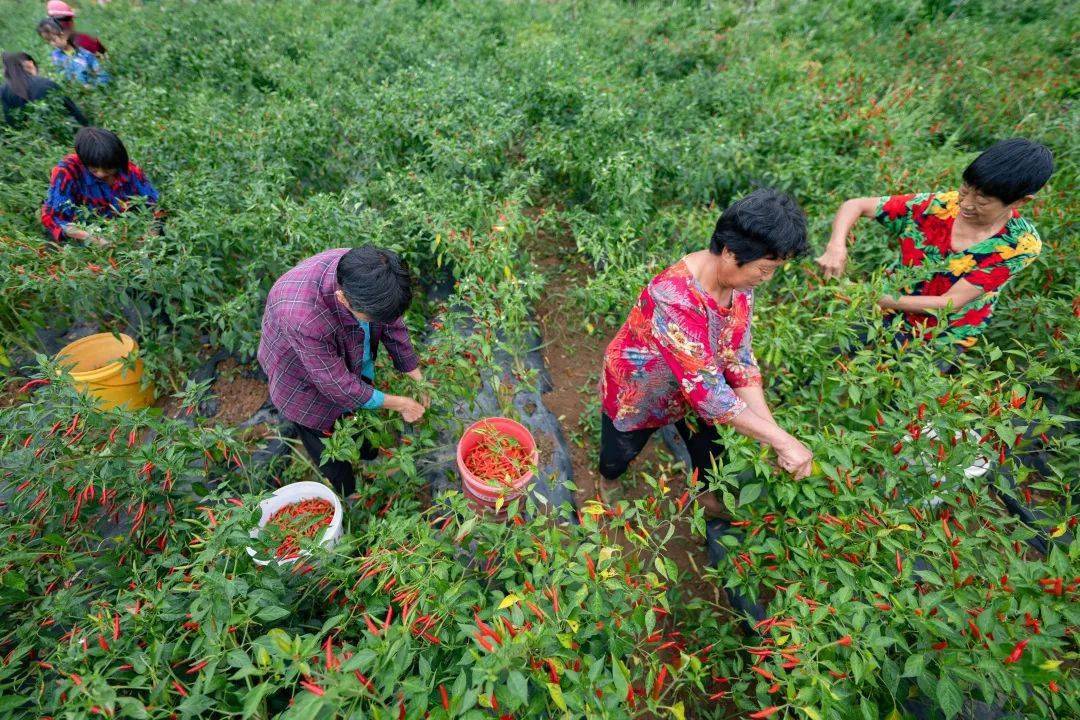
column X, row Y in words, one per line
column 971, row 241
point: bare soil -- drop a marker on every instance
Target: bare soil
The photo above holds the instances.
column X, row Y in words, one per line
column 574, row 358
column 241, row 397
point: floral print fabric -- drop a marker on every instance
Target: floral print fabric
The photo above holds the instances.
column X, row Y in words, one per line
column 679, row 351
column 923, row 226
column 80, row 66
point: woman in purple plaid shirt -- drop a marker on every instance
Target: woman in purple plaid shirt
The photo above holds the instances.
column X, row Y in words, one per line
column 323, row 323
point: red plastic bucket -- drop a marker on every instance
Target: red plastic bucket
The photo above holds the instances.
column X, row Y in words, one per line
column 480, row 491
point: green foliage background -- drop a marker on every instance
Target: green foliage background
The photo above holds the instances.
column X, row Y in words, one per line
column 278, row 129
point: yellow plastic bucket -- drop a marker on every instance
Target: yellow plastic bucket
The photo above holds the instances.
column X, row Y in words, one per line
column 97, row 368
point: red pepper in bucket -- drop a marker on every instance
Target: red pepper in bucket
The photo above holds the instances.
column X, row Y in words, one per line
column 496, row 458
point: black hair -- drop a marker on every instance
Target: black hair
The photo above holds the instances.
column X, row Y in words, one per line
column 765, row 224
column 1011, row 169
column 101, row 148
column 50, row 26
column 18, row 79
column 375, row 282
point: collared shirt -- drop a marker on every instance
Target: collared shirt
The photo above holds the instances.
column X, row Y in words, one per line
column 312, row 348
column 922, row 225
column 367, row 369
column 73, row 186
column 79, row 66
column 679, row 351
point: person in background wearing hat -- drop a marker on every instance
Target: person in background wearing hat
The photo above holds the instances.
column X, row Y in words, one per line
column 23, row 85
column 98, row 178
column 74, row 63
column 62, row 13
column 322, row 326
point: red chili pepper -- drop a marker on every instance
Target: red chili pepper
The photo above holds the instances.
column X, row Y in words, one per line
column 955, row 560
column 33, row 384
column 312, row 688
column 899, row 564
column 445, row 698
column 591, row 566
column 1017, row 651
column 922, row 411
column 553, row 671
column 763, row 673
column 179, row 688
column 658, row 685
column 940, row 645
column 844, row 641
column 765, row 713
column 197, row 667
column 483, row 642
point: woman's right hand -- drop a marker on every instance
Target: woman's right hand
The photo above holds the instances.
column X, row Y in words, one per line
column 833, row 260
column 795, row 458
column 411, row 411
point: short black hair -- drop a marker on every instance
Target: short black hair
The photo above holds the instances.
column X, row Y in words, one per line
column 101, row 148
column 375, row 282
column 1011, row 169
column 765, row 224
column 49, row 26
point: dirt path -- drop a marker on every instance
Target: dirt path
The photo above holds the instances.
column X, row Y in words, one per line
column 574, row 359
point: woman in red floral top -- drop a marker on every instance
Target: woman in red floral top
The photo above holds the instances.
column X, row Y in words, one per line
column 685, row 348
column 971, row 242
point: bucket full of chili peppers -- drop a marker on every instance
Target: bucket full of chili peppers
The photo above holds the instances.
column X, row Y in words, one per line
column 296, row 511
column 497, row 458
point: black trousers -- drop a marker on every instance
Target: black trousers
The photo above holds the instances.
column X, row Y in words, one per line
column 618, row 448
column 338, row 472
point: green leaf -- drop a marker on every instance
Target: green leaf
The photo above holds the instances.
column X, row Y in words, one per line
column 518, row 687
column 132, row 708
column 12, row 702
column 749, row 493
column 619, row 676
column 915, row 665
column 466, row 528
column 253, row 700
column 272, row 613
column 556, row 696
column 949, row 697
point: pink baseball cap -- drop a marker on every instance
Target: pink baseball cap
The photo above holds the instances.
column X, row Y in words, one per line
column 58, row 9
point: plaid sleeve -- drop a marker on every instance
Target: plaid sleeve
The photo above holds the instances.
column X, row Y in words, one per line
column 396, row 339
column 327, row 371
column 141, row 186
column 59, row 207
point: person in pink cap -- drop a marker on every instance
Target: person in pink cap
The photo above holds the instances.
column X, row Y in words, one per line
column 63, row 13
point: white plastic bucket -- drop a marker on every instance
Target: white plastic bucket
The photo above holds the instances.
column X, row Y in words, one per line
column 294, row 493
